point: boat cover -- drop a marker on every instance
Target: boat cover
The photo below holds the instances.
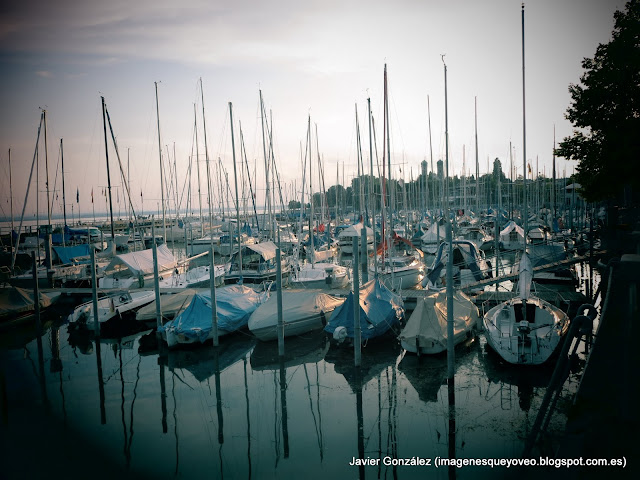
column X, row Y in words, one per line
column 67, row 254
column 509, row 227
column 526, row 275
column 14, row 300
column 354, row 231
column 266, row 249
column 464, row 249
column 428, row 322
column 234, row 303
column 296, row 305
column 380, row 309
column 141, row 263
column 170, row 305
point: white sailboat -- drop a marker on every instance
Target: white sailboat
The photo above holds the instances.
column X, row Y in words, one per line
column 525, row 330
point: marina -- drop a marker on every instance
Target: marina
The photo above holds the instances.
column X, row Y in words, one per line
column 289, row 303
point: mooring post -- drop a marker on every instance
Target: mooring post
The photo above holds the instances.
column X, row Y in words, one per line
column 363, row 243
column 357, row 353
column 94, row 291
column 279, row 300
column 214, row 306
column 156, row 276
column 36, row 302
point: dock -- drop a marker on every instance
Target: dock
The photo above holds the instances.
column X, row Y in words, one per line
column 604, row 418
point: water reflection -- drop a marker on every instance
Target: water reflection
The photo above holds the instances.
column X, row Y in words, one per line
column 241, row 411
column 507, row 376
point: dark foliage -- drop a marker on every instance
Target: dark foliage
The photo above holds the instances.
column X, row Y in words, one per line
column 605, row 111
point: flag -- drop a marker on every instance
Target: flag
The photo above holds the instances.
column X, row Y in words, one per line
column 92, row 195
column 529, row 165
column 77, row 195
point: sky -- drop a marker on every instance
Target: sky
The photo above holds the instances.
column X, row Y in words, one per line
column 317, row 58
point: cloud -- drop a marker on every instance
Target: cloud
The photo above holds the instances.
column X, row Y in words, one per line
column 44, row 73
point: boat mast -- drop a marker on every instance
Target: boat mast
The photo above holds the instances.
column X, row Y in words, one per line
column 195, row 127
column 11, row 201
column 371, row 193
column 524, row 145
column 449, row 235
column 64, row 203
column 206, row 156
column 106, row 153
column 553, row 183
column 235, row 179
column 46, row 166
column 311, row 213
column 266, row 161
column 164, row 224
column 477, row 164
column 430, row 146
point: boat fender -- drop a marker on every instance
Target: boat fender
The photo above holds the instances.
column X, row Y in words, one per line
column 141, row 281
column 323, row 318
column 340, row 334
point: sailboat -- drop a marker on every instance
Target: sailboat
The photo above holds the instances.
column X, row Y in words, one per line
column 426, row 329
column 525, row 330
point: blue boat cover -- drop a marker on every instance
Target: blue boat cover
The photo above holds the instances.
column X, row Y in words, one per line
column 380, row 310
column 67, row 254
column 235, row 304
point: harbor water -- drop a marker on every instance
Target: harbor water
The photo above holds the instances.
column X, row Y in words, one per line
column 99, row 407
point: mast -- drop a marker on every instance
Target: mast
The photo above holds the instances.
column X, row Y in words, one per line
column 11, row 201
column 235, row 178
column 524, row 144
column 477, row 164
column 195, row 123
column 449, row 277
column 553, row 183
column 371, row 193
column 106, row 154
column 311, row 243
column 206, row 156
column 164, row 224
column 46, row 165
column 266, row 162
column 430, row 144
column 64, row 203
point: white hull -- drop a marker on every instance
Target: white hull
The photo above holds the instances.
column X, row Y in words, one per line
column 402, row 277
column 525, row 342
column 110, row 307
column 317, row 276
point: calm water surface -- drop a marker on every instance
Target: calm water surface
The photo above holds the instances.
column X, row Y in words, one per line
column 122, row 407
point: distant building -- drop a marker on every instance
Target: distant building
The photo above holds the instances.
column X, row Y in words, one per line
column 423, row 164
column 440, row 169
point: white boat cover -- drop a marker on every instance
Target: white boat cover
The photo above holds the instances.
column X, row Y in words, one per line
column 296, row 306
column 526, row 276
column 509, row 227
column 431, row 235
column 428, row 322
column 354, row 231
column 266, row 249
column 141, row 263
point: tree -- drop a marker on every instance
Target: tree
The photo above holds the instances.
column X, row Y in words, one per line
column 605, row 113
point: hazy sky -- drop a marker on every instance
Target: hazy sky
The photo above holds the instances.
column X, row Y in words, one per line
column 317, row 58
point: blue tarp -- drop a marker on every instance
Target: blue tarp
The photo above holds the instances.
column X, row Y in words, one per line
column 380, row 309
column 67, row 254
column 235, row 304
